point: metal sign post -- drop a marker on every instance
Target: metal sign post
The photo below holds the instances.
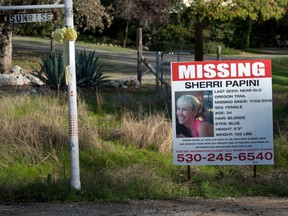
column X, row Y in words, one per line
column 72, row 100
column 72, row 93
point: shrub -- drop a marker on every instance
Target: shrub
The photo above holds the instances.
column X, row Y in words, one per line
column 170, row 38
column 211, row 48
column 52, row 71
column 88, row 71
column 169, row 46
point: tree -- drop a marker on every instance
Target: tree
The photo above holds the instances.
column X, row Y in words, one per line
column 260, row 10
column 91, row 15
column 144, row 12
column 204, row 11
column 125, row 10
column 6, row 37
column 5, row 48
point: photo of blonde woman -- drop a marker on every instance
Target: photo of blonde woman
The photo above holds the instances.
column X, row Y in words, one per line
column 191, row 115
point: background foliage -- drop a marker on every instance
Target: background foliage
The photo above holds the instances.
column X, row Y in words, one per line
column 170, row 25
column 88, row 71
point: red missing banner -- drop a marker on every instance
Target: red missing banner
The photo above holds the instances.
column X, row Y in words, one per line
column 232, row 69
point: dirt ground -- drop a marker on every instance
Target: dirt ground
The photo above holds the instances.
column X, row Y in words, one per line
column 247, row 206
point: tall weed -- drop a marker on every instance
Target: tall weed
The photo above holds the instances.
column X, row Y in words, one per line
column 34, row 128
column 147, row 131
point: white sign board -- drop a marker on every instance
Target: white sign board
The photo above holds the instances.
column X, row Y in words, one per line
column 29, row 18
column 222, row 112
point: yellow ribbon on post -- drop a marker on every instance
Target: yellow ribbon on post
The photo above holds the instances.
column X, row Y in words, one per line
column 59, row 34
column 67, row 75
column 69, row 34
column 65, row 34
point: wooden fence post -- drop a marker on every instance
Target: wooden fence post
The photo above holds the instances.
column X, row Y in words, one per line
column 218, row 53
column 52, row 42
column 139, row 54
column 157, row 71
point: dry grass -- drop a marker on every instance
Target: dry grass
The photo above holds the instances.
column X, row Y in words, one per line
column 124, row 175
column 31, row 140
column 147, row 131
column 33, row 128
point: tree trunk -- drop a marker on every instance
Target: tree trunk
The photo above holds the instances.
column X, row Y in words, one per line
column 245, row 27
column 5, row 48
column 198, row 37
column 126, row 34
column 249, row 29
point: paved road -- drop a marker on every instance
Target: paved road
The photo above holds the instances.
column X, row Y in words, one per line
column 119, row 64
column 124, row 63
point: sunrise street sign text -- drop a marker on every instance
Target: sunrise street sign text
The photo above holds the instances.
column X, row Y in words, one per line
column 27, row 18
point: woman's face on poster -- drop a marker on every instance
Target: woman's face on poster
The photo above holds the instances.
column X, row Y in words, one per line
column 185, row 114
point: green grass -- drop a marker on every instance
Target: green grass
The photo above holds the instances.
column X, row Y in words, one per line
column 114, row 164
column 111, row 169
column 280, row 77
column 20, row 58
column 280, row 88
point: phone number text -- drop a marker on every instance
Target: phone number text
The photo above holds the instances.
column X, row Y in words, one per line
column 211, row 157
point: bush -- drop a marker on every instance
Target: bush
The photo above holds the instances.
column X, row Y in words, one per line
column 211, row 48
column 88, row 71
column 169, row 38
column 52, row 71
column 169, row 46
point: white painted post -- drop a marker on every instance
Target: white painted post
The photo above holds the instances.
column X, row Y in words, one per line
column 72, row 102
column 72, row 93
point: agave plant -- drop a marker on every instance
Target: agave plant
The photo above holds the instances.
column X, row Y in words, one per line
column 88, row 71
column 52, row 71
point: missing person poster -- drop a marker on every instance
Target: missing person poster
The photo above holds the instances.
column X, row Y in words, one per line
column 222, row 112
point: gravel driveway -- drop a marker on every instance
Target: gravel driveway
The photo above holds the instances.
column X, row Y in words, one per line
column 248, row 206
